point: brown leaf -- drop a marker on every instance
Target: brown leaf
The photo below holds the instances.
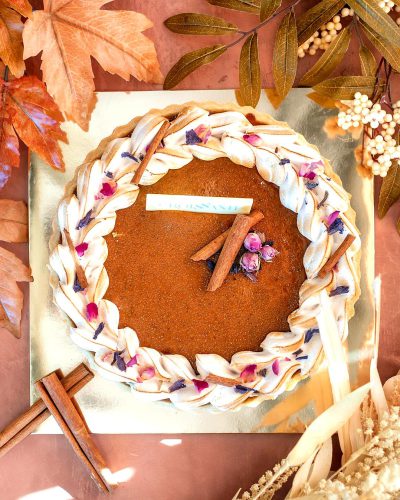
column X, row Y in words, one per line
column 285, row 55
column 329, row 60
column 199, row 24
column 274, row 98
column 190, row 62
column 12, row 270
column 11, row 40
column 373, row 15
column 389, row 51
column 249, row 72
column 239, row 98
column 269, row 7
column 344, row 87
column 313, row 18
column 23, row 7
column 13, row 221
column 31, row 113
column 242, row 5
column 69, row 33
column 390, row 190
column 323, row 101
column 367, row 60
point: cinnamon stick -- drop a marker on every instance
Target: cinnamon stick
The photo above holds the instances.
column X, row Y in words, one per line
column 80, row 273
column 150, row 151
column 233, row 242
column 26, row 423
column 227, row 382
column 211, row 248
column 337, row 254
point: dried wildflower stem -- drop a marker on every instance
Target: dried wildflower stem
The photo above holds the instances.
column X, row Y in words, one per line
column 80, row 273
column 75, row 423
column 150, row 151
column 26, row 423
column 233, row 242
column 334, row 258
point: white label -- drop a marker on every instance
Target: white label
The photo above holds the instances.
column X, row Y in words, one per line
column 205, row 204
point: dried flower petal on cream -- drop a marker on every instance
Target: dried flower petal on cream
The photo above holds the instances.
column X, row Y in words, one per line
column 252, row 242
column 81, row 248
column 92, row 311
column 275, row 367
column 253, row 139
column 204, row 132
column 192, row 138
column 109, row 188
column 146, row 373
column 85, row 220
column 336, row 226
column 309, row 334
column 248, row 374
column 242, row 389
column 133, row 361
column 330, row 219
column 250, row 262
column 340, row 290
column 77, row 287
column 119, row 360
column 126, row 154
column 98, row 330
column 179, row 384
column 200, row 385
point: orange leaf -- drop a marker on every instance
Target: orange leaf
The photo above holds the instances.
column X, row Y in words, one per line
column 69, row 33
column 13, row 221
column 12, row 270
column 31, row 113
column 11, row 40
column 21, row 6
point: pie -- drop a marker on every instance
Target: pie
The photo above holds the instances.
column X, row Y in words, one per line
column 124, row 277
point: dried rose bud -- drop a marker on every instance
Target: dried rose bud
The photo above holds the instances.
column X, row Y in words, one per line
column 250, row 262
column 252, row 242
column 268, row 253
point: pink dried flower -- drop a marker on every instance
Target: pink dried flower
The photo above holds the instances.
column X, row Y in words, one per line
column 252, row 242
column 330, row 219
column 307, row 170
column 204, row 132
column 268, row 253
column 253, row 139
column 92, row 311
column 200, row 385
column 248, row 374
column 250, row 262
column 81, row 249
column 146, row 373
column 275, row 367
column 133, row 361
column 108, row 188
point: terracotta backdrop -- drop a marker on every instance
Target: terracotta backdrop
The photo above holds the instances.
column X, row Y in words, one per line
column 201, row 467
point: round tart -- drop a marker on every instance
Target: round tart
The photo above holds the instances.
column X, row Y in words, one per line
column 245, row 342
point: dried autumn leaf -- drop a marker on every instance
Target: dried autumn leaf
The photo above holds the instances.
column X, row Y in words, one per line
column 23, row 7
column 329, row 60
column 390, row 190
column 313, row 18
column 190, row 62
column 13, row 221
column 389, row 51
column 274, row 98
column 69, row 33
column 239, row 98
column 11, row 40
column 12, row 270
column 30, row 112
column 373, row 15
column 285, row 55
column 249, row 72
column 367, row 60
column 323, row 101
column 344, row 87
column 268, row 7
column 199, row 24
column 242, row 5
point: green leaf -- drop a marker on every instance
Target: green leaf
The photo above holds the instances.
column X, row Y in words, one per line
column 242, row 5
column 190, row 62
column 249, row 71
column 199, row 24
column 344, row 87
column 313, row 18
column 269, row 7
column 285, row 55
column 329, row 60
column 377, row 19
column 389, row 51
column 390, row 190
column 323, row 101
column 367, row 60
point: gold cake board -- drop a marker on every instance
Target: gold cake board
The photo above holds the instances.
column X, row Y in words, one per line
column 111, row 408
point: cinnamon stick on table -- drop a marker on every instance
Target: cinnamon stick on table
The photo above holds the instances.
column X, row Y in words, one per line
column 26, row 423
column 237, row 233
column 334, row 258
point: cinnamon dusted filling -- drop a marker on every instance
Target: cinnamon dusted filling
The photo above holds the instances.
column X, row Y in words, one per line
column 162, row 294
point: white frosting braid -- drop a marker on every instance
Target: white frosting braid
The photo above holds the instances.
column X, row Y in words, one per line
column 103, row 185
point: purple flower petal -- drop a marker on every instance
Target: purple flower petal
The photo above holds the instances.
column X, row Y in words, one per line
column 296, row 353
column 133, row 361
column 125, row 154
column 204, row 132
column 81, row 248
column 200, row 385
column 119, row 360
column 309, row 334
column 241, row 389
column 250, row 262
column 110, row 175
column 252, row 242
column 248, row 374
column 311, row 185
column 253, row 139
column 146, row 373
column 179, row 384
column 336, row 226
column 92, row 311
column 263, row 372
column 99, row 329
column 330, row 219
column 77, row 287
column 275, row 367
column 192, row 138
column 301, row 357
column 284, row 161
column 268, row 253
column 108, row 188
column 85, row 220
column 340, row 290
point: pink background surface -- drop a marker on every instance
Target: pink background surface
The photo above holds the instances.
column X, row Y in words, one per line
column 205, row 467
